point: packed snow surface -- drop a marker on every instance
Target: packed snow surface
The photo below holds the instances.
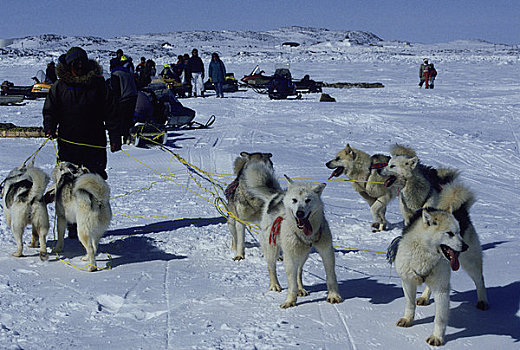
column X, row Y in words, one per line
column 169, row 280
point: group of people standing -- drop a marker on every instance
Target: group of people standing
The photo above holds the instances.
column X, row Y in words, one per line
column 427, row 74
column 189, row 70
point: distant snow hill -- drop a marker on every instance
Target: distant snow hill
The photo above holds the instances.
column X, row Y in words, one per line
column 248, row 47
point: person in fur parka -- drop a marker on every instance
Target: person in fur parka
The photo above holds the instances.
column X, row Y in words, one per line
column 78, row 109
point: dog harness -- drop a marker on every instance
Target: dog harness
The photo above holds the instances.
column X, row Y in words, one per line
column 378, row 166
column 275, row 230
column 229, row 192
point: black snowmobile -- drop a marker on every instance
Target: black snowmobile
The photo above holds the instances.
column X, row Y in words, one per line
column 281, row 86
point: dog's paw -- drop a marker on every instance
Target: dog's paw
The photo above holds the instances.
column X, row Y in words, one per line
column 18, row 254
column 275, row 288
column 422, row 301
column 85, row 258
column 482, row 305
column 34, row 244
column 302, row 292
column 57, row 249
column 434, row 341
column 334, row 298
column 378, row 227
column 92, row 268
column 288, row 304
column 44, row 256
column 238, row 257
column 404, row 322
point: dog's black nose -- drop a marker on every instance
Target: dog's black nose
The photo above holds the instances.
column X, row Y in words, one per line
column 300, row 214
column 464, row 246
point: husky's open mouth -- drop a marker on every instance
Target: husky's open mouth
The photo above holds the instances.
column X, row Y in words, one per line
column 452, row 256
column 305, row 225
column 337, row 172
column 390, row 181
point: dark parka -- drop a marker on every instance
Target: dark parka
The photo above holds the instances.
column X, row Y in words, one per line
column 80, row 109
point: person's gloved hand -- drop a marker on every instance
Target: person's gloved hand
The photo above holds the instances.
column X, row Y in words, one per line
column 51, row 134
column 115, row 146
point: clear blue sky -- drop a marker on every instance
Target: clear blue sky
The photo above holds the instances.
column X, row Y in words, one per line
column 424, row 21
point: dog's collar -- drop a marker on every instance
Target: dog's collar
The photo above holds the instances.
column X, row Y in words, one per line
column 380, row 165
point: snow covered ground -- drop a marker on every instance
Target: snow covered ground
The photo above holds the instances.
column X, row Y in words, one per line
column 172, row 283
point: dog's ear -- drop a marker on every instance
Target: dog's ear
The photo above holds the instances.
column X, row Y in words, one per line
column 269, row 155
column 244, row 154
column 413, row 162
column 319, row 188
column 428, row 218
column 288, row 179
column 348, row 148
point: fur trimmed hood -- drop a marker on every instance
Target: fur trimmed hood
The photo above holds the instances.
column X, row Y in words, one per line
column 94, row 70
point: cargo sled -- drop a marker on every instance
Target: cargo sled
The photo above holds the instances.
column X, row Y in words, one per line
column 230, row 84
column 158, row 111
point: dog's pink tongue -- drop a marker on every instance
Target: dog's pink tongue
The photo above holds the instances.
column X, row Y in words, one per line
column 454, row 260
column 307, row 227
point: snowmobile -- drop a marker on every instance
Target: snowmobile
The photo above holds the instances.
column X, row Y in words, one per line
column 260, row 83
column 281, row 86
column 40, row 88
column 307, row 85
column 230, row 84
column 158, row 111
column 256, row 80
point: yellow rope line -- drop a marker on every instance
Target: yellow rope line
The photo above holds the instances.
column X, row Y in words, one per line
column 217, row 199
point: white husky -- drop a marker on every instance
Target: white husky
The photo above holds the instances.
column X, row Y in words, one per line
column 429, row 247
column 23, row 204
column 81, row 198
column 294, row 221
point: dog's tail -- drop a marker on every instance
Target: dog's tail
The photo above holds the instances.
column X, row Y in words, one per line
column 93, row 186
column 455, row 196
column 261, row 181
column 400, row 150
column 447, row 175
column 40, row 180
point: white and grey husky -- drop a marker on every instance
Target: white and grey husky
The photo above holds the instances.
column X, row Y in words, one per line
column 294, row 221
column 82, row 198
column 23, row 204
column 418, row 185
column 249, row 168
column 435, row 242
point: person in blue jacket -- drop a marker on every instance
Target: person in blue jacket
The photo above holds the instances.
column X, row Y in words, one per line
column 217, row 73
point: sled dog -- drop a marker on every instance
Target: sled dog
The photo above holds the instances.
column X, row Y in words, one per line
column 251, row 169
column 418, row 185
column 22, row 201
column 293, row 221
column 435, row 241
column 365, row 171
column 82, row 198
